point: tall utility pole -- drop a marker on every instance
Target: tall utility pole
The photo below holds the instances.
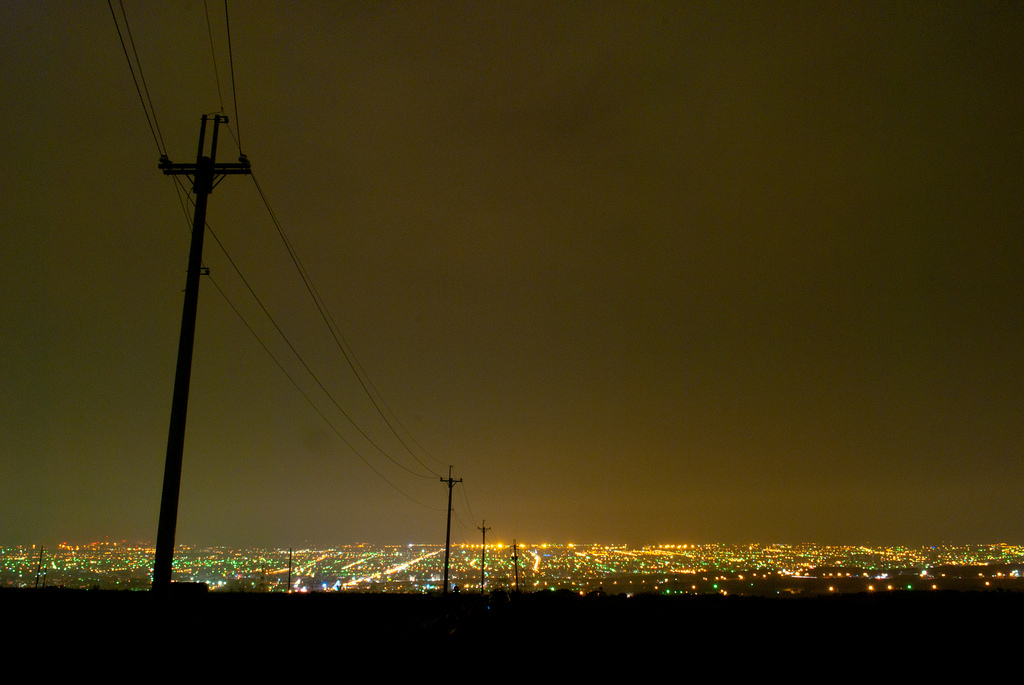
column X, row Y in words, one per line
column 515, row 560
column 39, row 568
column 483, row 554
column 448, row 531
column 205, row 174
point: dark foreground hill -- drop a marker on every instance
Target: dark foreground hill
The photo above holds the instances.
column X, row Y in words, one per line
column 919, row 632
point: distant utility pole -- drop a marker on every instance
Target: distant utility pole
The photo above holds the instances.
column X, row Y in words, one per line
column 288, row 588
column 515, row 560
column 205, row 174
column 39, row 568
column 483, row 554
column 448, row 531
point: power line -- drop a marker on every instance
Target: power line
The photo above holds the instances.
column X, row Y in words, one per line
column 154, row 126
column 357, row 369
column 335, row 333
column 465, row 499
column 361, row 374
column 231, row 63
column 231, row 66
column 307, row 367
column 310, row 401
column 302, row 361
column 213, row 53
column 179, row 186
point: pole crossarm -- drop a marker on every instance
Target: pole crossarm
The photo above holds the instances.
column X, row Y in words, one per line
column 172, row 169
column 205, row 173
column 205, row 169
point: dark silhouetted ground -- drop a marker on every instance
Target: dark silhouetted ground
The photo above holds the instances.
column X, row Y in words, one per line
column 914, row 633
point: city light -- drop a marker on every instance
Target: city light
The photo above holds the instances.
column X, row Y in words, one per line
column 752, row 569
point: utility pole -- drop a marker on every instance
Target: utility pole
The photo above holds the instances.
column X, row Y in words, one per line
column 448, row 531
column 483, row 554
column 288, row 588
column 515, row 560
column 205, row 174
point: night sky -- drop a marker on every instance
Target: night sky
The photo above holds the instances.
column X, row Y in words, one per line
column 655, row 272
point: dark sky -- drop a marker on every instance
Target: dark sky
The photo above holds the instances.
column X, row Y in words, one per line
column 657, row 272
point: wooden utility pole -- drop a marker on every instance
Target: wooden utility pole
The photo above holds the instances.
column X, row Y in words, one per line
column 205, row 174
column 483, row 554
column 448, row 531
column 515, row 560
column 39, row 568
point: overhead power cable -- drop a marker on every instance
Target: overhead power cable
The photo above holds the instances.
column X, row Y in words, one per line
column 234, row 91
column 465, row 499
column 149, row 111
column 335, row 333
column 179, row 187
column 466, row 527
column 361, row 375
column 302, row 361
column 213, row 53
column 310, row 401
column 231, row 66
column 379, row 404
